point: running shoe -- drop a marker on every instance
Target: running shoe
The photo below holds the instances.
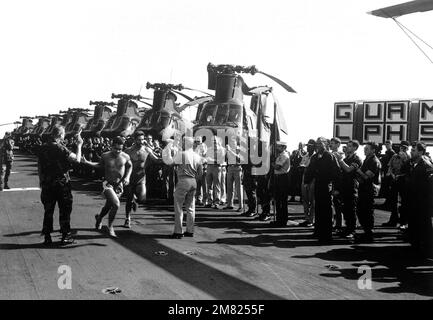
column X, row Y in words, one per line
column 127, row 223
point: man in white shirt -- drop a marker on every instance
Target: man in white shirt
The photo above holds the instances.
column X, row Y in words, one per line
column 201, row 193
column 234, row 174
column 188, row 168
column 215, row 158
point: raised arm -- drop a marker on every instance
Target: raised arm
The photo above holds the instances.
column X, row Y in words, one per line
column 77, row 157
column 96, row 165
column 344, row 166
column 151, row 153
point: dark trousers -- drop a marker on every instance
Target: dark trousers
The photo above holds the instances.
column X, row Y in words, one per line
column 61, row 194
column 350, row 204
column 281, row 195
column 337, row 204
column 420, row 229
column 5, row 172
column 295, row 181
column 323, row 208
column 398, row 187
column 385, row 188
column 263, row 193
column 366, row 209
column 250, row 186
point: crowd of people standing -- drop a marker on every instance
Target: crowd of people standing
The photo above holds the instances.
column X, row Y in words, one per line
column 336, row 187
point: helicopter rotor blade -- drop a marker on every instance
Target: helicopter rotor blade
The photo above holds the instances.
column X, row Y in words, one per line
column 198, row 100
column 280, row 82
column 182, row 94
column 145, row 103
column 260, row 89
column 206, row 93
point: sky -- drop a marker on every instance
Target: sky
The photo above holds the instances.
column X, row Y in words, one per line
column 62, row 54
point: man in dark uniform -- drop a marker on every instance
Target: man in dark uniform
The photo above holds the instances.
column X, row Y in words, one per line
column 420, row 184
column 336, row 187
column 397, row 172
column 6, row 159
column 369, row 180
column 54, row 165
column 324, row 169
column 349, row 188
column 386, row 179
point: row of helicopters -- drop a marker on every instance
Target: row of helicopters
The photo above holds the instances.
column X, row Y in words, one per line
column 162, row 116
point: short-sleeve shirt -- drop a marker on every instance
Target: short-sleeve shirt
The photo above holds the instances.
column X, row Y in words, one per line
column 54, row 165
column 283, row 160
column 348, row 179
column 189, row 164
column 370, row 164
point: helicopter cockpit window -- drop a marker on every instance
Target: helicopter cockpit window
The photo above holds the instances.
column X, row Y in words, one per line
column 208, row 115
column 146, row 121
column 164, row 120
column 235, row 114
column 155, row 118
column 221, row 114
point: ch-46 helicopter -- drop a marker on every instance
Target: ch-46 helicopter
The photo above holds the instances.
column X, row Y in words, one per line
column 40, row 127
column 26, row 127
column 126, row 118
column 80, row 117
column 164, row 119
column 228, row 111
column 67, row 116
column 56, row 119
column 101, row 115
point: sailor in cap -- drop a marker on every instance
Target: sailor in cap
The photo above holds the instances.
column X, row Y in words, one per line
column 281, row 175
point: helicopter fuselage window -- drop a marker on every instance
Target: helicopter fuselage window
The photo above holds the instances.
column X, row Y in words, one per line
column 235, row 114
column 208, row 115
column 221, row 114
column 164, row 120
column 155, row 118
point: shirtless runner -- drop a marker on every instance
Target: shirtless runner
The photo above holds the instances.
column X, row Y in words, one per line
column 137, row 186
column 117, row 167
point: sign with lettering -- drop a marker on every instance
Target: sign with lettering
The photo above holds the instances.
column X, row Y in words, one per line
column 385, row 120
column 344, row 115
column 372, row 132
column 425, row 133
column 378, row 121
column 374, row 111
